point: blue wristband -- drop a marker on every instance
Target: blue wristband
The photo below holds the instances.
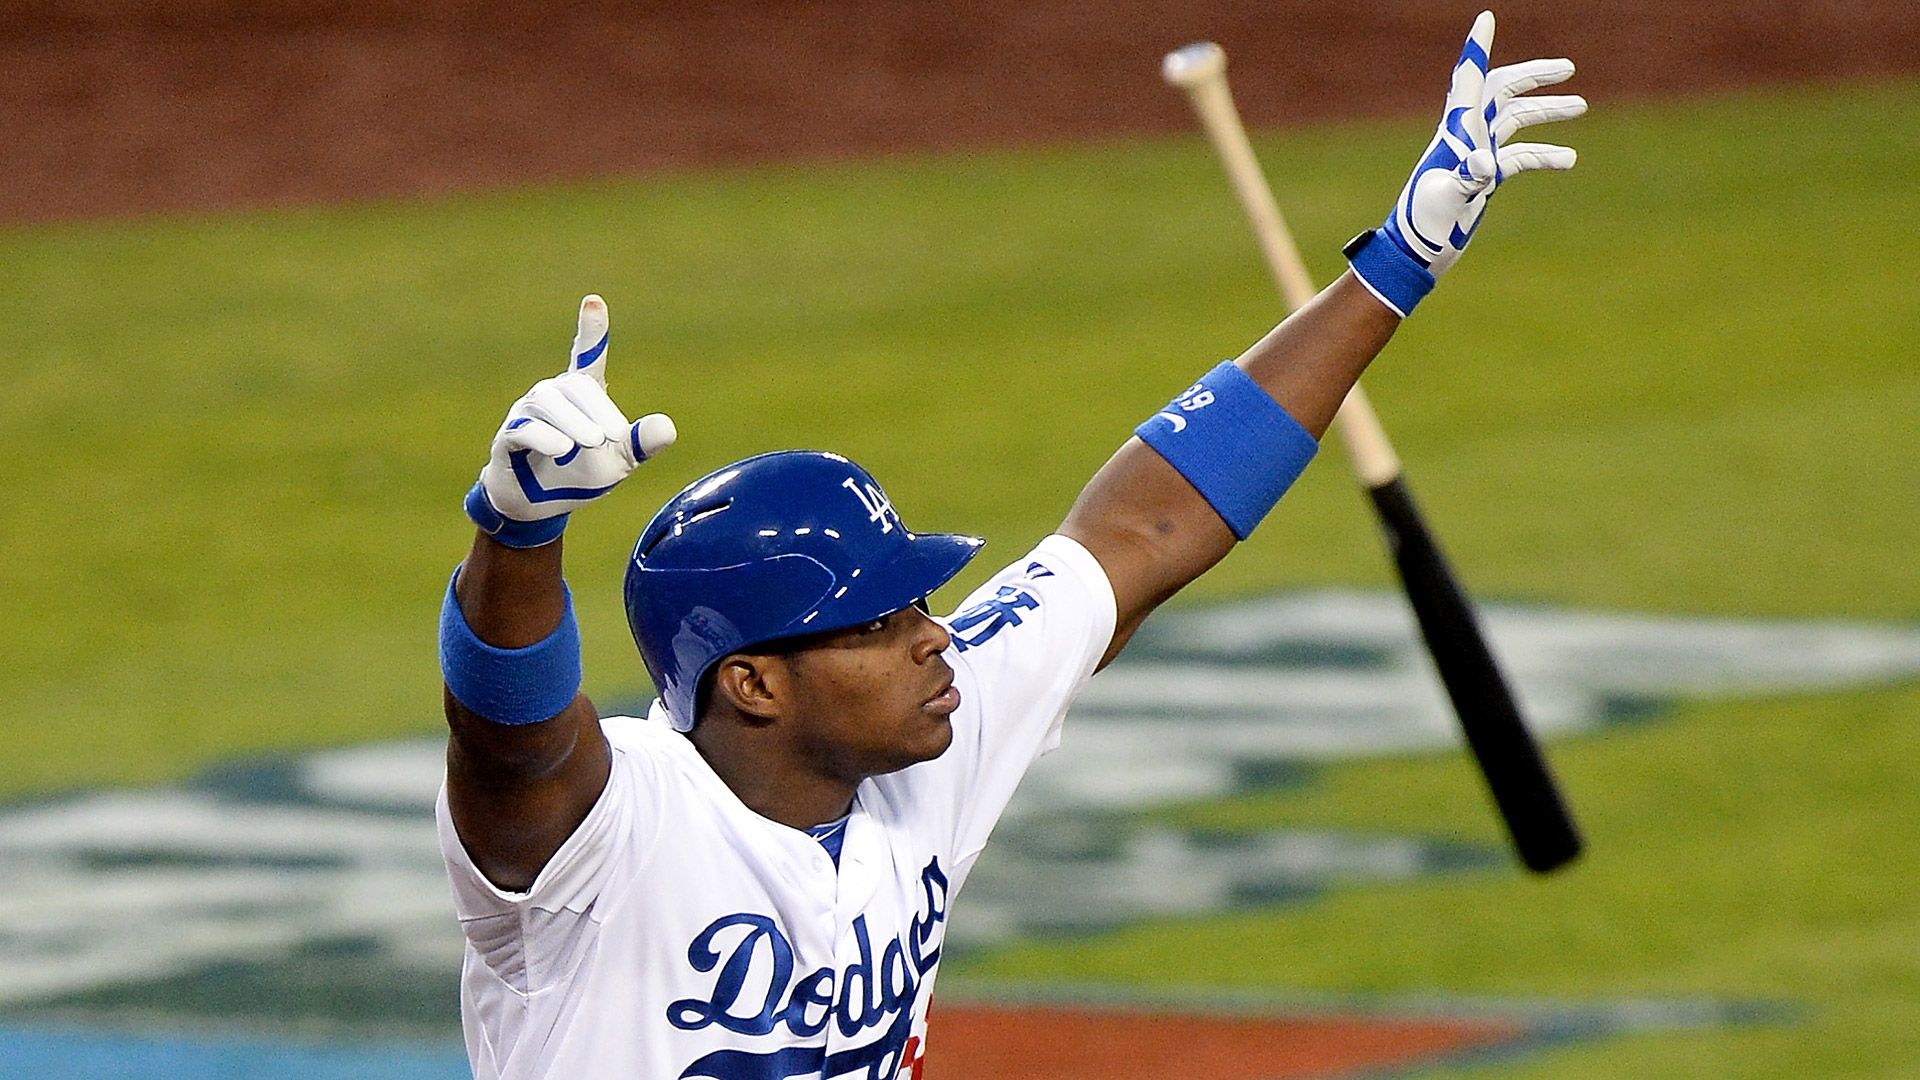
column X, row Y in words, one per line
column 1233, row 443
column 506, row 531
column 510, row 686
column 1388, row 271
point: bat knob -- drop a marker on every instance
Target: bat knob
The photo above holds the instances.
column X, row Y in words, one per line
column 1191, row 65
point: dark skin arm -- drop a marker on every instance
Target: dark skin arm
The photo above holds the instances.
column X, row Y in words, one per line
column 517, row 792
column 1150, row 530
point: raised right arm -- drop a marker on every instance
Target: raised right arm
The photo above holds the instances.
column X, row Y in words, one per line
column 518, row 790
column 526, row 759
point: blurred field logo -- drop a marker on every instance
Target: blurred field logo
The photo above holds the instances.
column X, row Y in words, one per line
column 308, row 893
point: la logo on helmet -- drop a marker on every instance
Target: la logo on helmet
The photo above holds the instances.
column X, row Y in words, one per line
column 879, row 507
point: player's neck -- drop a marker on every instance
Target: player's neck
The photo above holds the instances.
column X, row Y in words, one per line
column 770, row 783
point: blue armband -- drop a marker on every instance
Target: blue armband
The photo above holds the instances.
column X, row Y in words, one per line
column 1388, row 271
column 510, row 686
column 1233, row 443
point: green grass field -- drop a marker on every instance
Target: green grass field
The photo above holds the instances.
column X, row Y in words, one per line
column 1683, row 378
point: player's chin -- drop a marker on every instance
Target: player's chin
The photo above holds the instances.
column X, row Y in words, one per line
column 928, row 736
column 923, row 743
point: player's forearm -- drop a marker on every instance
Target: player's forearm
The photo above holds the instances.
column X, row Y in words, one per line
column 1309, row 362
column 511, row 597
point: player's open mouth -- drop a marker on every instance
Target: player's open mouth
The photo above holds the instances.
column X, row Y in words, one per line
column 943, row 702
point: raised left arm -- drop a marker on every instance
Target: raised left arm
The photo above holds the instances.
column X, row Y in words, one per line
column 1150, row 528
column 1201, row 474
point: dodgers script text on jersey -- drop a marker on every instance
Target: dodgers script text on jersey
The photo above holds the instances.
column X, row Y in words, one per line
column 679, row 934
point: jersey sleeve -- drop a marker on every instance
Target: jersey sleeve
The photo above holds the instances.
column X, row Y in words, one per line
column 511, row 932
column 1025, row 644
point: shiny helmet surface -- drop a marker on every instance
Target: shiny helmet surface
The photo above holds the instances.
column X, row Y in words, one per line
column 777, row 546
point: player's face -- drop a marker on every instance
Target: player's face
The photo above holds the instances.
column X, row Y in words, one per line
column 875, row 698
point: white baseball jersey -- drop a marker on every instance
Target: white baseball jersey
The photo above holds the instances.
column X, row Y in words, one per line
column 678, row 934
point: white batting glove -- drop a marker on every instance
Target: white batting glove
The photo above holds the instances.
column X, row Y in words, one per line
column 562, row 445
column 1468, row 159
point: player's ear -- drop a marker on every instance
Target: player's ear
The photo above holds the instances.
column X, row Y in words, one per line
column 749, row 685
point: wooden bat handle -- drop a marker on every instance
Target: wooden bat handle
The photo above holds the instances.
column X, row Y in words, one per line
column 1204, row 79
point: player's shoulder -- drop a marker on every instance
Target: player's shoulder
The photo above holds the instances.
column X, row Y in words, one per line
column 1058, row 573
column 648, row 740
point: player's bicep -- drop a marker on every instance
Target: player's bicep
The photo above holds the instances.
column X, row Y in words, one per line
column 1150, row 531
column 517, row 792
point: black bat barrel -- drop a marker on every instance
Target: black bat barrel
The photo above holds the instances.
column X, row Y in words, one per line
column 1516, row 772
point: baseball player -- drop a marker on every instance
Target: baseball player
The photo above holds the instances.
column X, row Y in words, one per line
column 753, row 881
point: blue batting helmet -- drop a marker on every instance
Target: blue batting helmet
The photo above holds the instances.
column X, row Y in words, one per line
column 777, row 546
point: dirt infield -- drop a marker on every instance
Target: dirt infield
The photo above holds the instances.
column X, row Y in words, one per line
column 979, row 1043
column 112, row 107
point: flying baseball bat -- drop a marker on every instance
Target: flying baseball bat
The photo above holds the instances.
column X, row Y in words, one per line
column 1522, row 786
